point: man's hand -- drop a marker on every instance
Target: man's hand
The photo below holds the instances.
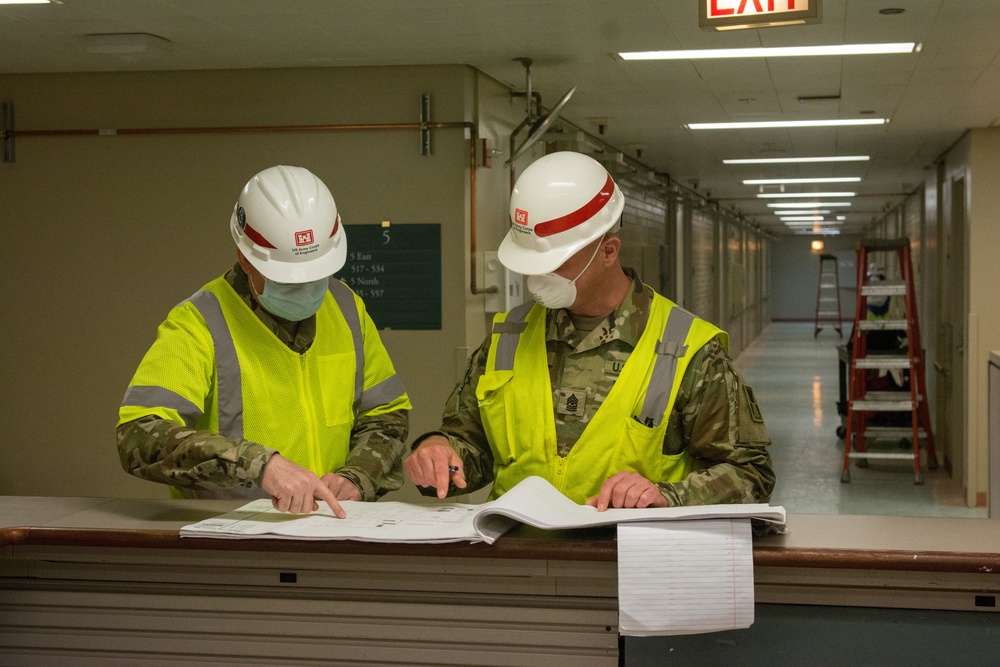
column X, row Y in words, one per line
column 627, row 489
column 295, row 489
column 435, row 463
column 342, row 487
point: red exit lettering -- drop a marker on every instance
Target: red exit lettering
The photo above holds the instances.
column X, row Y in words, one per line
column 730, row 8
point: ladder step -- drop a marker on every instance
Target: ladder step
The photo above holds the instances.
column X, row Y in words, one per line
column 884, row 289
column 881, row 455
column 870, row 325
column 882, row 361
column 893, row 432
column 890, row 395
column 882, row 406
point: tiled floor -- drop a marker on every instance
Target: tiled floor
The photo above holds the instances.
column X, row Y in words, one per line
column 795, row 378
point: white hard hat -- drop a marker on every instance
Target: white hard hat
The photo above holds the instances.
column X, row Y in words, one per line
column 286, row 224
column 560, row 203
column 875, row 270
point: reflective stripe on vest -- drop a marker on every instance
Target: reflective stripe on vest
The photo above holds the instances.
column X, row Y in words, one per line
column 510, row 331
column 227, row 365
column 141, row 396
column 668, row 349
column 345, row 301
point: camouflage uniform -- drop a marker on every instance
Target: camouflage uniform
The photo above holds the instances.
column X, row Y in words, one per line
column 160, row 450
column 715, row 417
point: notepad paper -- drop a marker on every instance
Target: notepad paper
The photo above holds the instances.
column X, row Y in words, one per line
column 684, row 577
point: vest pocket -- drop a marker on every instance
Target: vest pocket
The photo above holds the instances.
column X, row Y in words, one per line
column 336, row 372
column 640, row 450
column 498, row 420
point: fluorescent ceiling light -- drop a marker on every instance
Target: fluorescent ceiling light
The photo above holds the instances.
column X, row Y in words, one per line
column 763, row 124
column 789, row 195
column 25, row 2
column 781, row 160
column 778, row 181
column 807, row 204
column 804, row 218
column 807, row 223
column 818, row 231
column 775, row 52
column 841, row 217
column 803, row 212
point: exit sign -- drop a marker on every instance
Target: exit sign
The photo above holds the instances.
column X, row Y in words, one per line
column 738, row 14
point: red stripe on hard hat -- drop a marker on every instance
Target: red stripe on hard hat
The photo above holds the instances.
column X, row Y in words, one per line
column 257, row 238
column 580, row 215
column 336, row 225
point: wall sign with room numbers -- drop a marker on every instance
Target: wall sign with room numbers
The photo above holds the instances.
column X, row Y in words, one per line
column 396, row 269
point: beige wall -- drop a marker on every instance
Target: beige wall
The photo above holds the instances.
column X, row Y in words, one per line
column 104, row 234
column 984, row 306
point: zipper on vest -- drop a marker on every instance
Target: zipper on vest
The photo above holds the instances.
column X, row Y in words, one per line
column 305, row 395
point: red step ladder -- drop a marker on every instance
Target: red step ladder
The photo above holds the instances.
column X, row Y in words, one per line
column 828, row 295
column 864, row 403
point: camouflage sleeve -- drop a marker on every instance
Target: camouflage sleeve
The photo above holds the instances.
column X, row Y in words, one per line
column 378, row 444
column 717, row 421
column 463, row 427
column 161, row 450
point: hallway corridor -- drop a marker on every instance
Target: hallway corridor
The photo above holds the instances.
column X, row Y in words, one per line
column 795, row 379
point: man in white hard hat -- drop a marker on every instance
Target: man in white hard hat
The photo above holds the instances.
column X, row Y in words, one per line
column 271, row 380
column 614, row 394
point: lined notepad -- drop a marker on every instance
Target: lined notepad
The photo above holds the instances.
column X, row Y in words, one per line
column 684, row 577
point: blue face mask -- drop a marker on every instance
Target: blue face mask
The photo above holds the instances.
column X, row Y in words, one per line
column 293, row 301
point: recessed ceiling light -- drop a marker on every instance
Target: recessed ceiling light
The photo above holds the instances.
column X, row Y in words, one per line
column 789, row 195
column 803, row 218
column 779, row 181
column 834, row 122
column 807, row 204
column 779, row 160
column 25, row 2
column 802, row 212
column 774, row 52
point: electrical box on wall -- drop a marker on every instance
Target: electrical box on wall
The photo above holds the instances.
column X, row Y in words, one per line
column 510, row 290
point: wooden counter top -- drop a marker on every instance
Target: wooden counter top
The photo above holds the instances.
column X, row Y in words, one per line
column 813, row 541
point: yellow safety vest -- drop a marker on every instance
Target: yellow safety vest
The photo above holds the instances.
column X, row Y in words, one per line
column 626, row 432
column 216, row 366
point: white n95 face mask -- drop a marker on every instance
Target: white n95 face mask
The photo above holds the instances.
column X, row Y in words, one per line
column 293, row 301
column 554, row 291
